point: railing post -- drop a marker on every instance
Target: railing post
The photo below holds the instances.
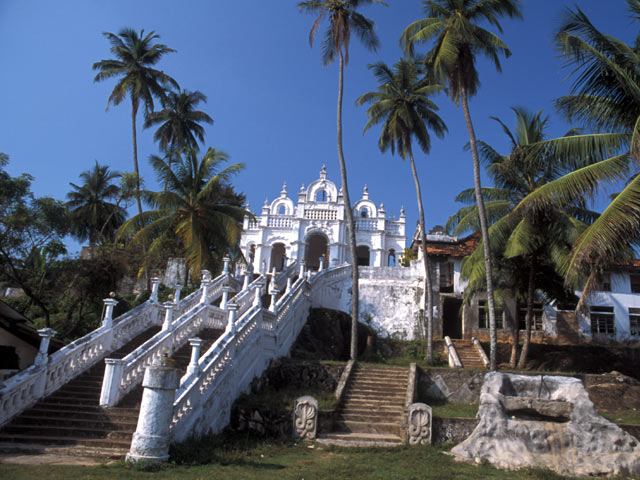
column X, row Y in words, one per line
column 114, row 367
column 231, row 323
column 303, row 265
column 288, row 285
column 193, row 369
column 155, row 284
column 206, row 275
column 206, row 284
column 225, row 296
column 257, row 299
column 176, row 296
column 168, row 316
column 321, row 267
column 43, row 353
column 109, row 303
column 151, row 440
column 226, row 260
column 274, row 297
column 247, row 275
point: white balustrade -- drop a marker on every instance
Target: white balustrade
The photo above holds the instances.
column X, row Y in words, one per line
column 280, row 221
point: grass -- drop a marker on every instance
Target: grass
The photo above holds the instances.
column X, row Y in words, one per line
column 631, row 416
column 232, row 459
column 459, row 410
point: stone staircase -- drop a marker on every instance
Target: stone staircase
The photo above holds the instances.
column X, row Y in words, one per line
column 372, row 411
column 71, row 416
column 469, row 356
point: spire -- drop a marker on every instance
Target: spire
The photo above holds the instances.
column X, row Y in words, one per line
column 365, row 193
column 323, row 173
column 283, row 192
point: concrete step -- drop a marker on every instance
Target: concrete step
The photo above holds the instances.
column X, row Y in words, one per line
column 103, row 424
column 64, row 432
column 382, row 417
column 348, row 439
column 110, row 415
column 393, row 428
column 54, row 440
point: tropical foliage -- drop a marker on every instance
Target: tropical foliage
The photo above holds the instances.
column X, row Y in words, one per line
column 403, row 106
column 531, row 247
column 343, row 18
column 605, row 97
column 93, row 216
column 196, row 209
column 135, row 57
column 453, row 25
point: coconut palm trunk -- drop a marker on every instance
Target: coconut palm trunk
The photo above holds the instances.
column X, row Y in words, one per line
column 351, row 231
column 134, row 113
column 484, row 230
column 428, row 294
column 529, row 317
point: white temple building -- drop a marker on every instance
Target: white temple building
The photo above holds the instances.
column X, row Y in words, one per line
column 314, row 230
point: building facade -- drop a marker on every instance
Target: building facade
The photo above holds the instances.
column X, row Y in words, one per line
column 313, row 229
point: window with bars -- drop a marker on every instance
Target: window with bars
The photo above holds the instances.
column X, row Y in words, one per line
column 602, row 320
column 536, row 321
column 604, row 283
column 446, row 277
column 634, row 321
column 483, row 318
column 635, row 283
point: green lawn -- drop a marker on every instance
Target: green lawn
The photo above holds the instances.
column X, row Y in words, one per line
column 281, row 462
column 631, row 416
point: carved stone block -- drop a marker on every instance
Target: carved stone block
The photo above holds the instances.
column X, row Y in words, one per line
column 419, row 424
column 305, row 418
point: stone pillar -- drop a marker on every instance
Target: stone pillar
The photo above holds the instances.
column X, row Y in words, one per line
column 206, row 285
column 193, row 368
column 168, row 316
column 257, row 299
column 419, row 424
column 274, row 297
column 151, row 440
column 155, row 284
column 231, row 324
column 176, row 296
column 305, row 418
column 206, row 275
column 303, row 265
column 111, row 381
column 43, row 352
column 226, row 260
column 109, row 303
column 225, row 296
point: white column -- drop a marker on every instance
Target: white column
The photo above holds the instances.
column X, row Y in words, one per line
column 206, row 284
column 225, row 296
column 193, row 368
column 321, row 267
column 226, row 260
column 288, row 285
column 176, row 296
column 168, row 316
column 231, row 324
column 303, row 265
column 257, row 299
column 111, row 381
column 43, row 352
column 150, row 442
column 109, row 303
column 155, row 284
column 274, row 297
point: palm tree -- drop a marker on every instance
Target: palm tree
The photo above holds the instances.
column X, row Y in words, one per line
column 535, row 241
column 343, row 18
column 458, row 39
column 402, row 104
column 194, row 208
column 605, row 97
column 93, row 216
column 179, row 122
column 135, row 55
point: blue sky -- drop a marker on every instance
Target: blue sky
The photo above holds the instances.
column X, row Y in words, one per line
column 273, row 102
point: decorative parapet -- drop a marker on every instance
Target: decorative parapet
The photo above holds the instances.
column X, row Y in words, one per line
column 481, row 352
column 419, row 424
column 454, row 359
column 305, row 418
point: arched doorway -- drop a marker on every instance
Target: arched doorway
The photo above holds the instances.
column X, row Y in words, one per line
column 391, row 261
column 317, row 245
column 363, row 254
column 278, row 251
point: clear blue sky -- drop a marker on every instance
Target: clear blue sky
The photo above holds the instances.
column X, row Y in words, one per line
column 273, row 102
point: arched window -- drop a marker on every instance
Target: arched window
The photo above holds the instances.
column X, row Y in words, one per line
column 282, row 210
column 392, row 258
column 321, row 196
column 252, row 253
column 364, row 213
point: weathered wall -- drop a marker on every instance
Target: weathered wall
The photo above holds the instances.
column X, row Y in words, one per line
column 26, row 353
